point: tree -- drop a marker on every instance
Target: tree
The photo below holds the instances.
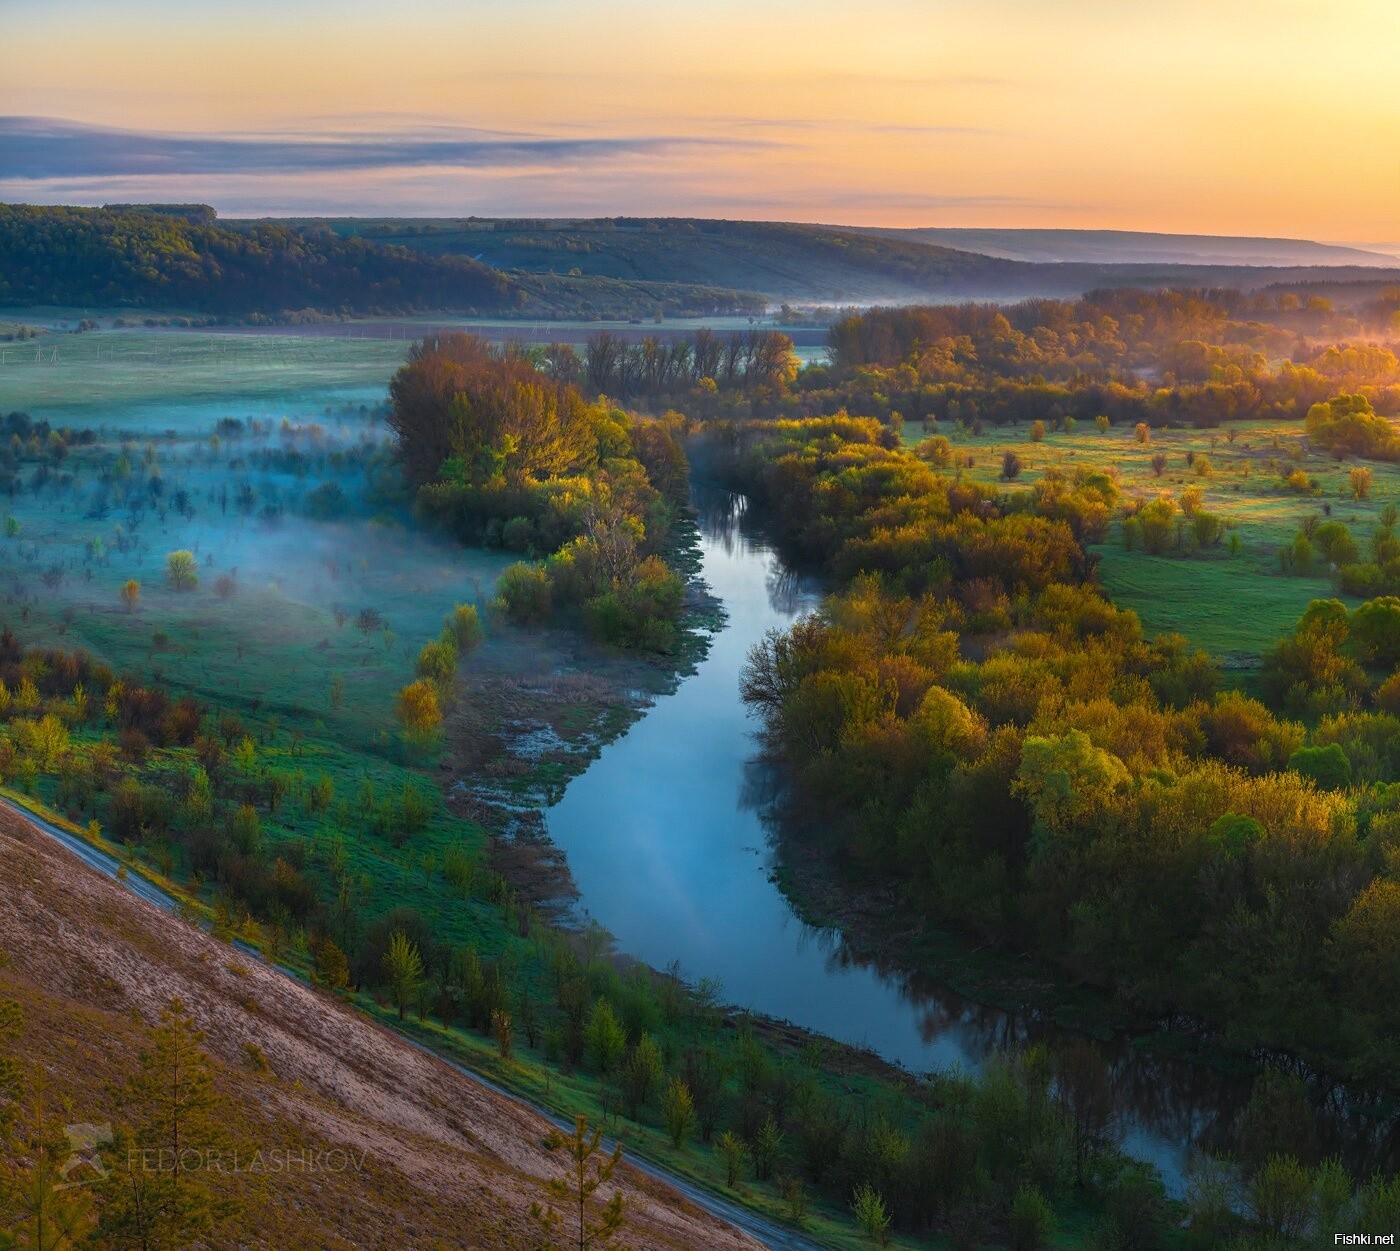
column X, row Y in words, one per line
column 589, row 1170
column 159, row 1194
column 1010, row 466
column 44, row 1209
column 437, row 662
column 1032, row 1222
column 463, row 623
column 461, row 411
column 735, row 1152
column 418, row 710
column 1375, row 626
column 605, row 1037
column 1281, row 1197
column 1360, row 479
column 1084, row 1085
column 872, row 1216
column 182, row 570
column 1142, row 432
column 524, row 593
column 678, row 1111
column 642, row 1074
column 766, row 1145
column 131, row 594
column 1037, row 432
column 403, row 970
column 331, row 966
column 1328, row 766
column 503, row 1031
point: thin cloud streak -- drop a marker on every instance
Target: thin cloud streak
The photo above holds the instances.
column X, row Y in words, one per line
column 46, row 148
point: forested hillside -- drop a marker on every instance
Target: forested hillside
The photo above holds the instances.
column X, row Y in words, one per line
column 791, row 260
column 142, row 257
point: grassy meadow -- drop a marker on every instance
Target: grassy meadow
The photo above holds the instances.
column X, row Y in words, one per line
column 154, row 380
column 1230, row 598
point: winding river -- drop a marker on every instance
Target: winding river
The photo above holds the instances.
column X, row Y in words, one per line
column 670, row 853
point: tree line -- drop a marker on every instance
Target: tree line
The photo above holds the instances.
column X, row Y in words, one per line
column 501, row 454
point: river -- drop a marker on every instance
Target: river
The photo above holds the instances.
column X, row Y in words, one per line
column 670, row 853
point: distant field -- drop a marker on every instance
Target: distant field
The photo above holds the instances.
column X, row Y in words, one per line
column 1235, row 605
column 132, row 377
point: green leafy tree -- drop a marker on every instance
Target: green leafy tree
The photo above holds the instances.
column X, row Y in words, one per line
column 1281, row 1197
column 767, row 1143
column 642, row 1074
column 678, row 1111
column 605, row 1038
column 331, row 967
column 735, row 1152
column 403, row 970
column 1032, row 1222
column 182, row 570
column 872, row 1216
column 463, row 625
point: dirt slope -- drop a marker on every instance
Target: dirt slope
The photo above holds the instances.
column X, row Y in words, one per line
column 447, row 1163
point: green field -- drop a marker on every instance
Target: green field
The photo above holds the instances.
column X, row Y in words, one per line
column 1233, row 603
column 154, row 379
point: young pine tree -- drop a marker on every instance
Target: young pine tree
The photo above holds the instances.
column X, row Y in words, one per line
column 589, row 1169
column 160, row 1193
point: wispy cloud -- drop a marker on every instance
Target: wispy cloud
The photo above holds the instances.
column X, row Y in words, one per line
column 40, row 148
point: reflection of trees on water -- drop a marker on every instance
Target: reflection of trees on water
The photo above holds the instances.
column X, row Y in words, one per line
column 725, row 519
column 719, row 513
column 760, row 789
column 788, row 592
column 1177, row 1102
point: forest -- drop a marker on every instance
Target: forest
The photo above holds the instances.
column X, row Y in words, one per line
column 134, row 256
column 1003, row 741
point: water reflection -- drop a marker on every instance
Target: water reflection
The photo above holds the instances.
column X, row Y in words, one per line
column 670, row 839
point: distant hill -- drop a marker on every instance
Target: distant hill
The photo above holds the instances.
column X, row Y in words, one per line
column 163, row 256
column 811, row 263
column 1105, row 247
column 781, row 260
column 168, row 256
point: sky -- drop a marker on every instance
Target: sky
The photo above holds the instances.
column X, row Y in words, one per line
column 1247, row 117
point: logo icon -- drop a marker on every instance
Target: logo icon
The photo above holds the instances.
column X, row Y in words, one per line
column 83, row 1142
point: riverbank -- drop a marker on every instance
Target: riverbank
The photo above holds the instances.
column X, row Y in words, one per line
column 536, row 711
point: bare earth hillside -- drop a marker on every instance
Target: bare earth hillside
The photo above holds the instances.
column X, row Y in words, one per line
column 446, row 1162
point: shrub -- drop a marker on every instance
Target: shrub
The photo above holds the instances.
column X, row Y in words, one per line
column 524, row 593
column 871, row 1214
column 463, row 623
column 1328, row 766
column 1032, row 1222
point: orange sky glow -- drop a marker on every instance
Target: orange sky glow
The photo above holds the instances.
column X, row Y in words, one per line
column 1259, row 117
